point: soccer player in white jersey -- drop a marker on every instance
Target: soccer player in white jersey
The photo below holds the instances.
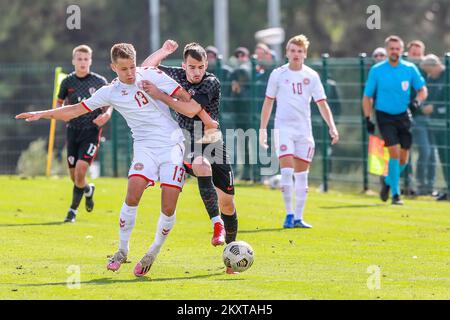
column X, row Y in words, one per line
column 293, row 85
column 158, row 142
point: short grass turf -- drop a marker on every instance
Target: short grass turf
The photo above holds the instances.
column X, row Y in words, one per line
column 359, row 248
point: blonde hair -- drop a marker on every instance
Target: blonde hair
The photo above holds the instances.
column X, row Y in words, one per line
column 299, row 40
column 82, row 48
column 123, row 51
column 416, row 43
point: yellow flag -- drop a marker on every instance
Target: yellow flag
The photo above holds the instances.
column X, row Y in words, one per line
column 378, row 156
column 59, row 77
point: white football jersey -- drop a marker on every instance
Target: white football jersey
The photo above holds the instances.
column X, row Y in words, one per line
column 293, row 91
column 150, row 120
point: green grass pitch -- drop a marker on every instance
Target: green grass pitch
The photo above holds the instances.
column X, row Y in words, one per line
column 359, row 248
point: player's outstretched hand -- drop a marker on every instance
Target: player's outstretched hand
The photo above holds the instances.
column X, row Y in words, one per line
column 170, row 46
column 29, row 116
column 151, row 89
column 334, row 134
column 102, row 119
column 263, row 138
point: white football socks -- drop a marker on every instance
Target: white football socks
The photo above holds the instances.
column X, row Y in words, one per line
column 165, row 225
column 301, row 193
column 286, row 187
column 127, row 222
column 217, row 219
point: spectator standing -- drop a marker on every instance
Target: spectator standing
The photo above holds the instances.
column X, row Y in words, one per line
column 435, row 71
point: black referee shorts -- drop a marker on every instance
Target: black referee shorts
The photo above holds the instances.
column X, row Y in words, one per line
column 395, row 129
column 216, row 154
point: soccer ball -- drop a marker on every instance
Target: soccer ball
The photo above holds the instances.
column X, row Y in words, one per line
column 275, row 182
column 238, row 255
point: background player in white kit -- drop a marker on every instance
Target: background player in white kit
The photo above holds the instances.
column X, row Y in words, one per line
column 293, row 85
column 158, row 142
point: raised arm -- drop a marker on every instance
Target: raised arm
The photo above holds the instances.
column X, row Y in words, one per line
column 65, row 113
column 159, row 55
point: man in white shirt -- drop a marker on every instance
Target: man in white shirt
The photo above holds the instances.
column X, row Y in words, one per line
column 293, row 85
column 158, row 142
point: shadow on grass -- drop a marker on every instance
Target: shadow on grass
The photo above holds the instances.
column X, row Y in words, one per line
column 261, row 230
column 107, row 281
column 354, row 206
column 32, row 224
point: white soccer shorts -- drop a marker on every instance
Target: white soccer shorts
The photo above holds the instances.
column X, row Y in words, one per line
column 288, row 143
column 159, row 164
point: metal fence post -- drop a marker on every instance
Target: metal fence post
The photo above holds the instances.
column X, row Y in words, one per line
column 364, row 136
column 114, row 145
column 325, row 135
column 254, row 117
column 447, row 118
column 219, row 74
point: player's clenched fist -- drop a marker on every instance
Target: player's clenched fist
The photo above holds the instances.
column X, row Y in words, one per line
column 170, row 46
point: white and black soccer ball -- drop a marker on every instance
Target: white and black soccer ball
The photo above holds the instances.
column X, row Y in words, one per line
column 238, row 255
column 275, row 182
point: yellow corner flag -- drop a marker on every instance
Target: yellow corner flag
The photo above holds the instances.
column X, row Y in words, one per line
column 59, row 77
column 378, row 156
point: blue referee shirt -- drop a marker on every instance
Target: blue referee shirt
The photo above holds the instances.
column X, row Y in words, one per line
column 392, row 85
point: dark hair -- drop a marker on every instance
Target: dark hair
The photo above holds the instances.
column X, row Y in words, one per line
column 195, row 51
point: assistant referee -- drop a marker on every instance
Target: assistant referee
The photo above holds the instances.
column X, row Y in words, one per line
column 391, row 82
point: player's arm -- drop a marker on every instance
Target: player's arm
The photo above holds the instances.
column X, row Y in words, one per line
column 104, row 117
column 65, row 113
column 185, row 104
column 367, row 103
column 190, row 108
column 159, row 55
column 184, row 96
column 367, row 106
column 62, row 94
column 419, row 84
column 327, row 115
column 422, row 94
column 265, row 116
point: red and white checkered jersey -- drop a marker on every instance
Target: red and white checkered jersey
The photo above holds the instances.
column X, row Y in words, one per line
column 150, row 120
